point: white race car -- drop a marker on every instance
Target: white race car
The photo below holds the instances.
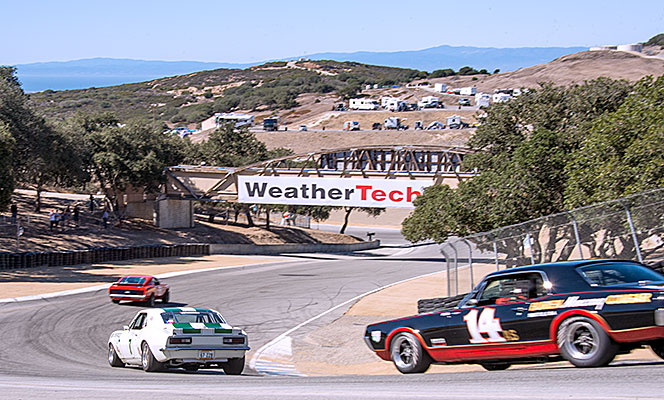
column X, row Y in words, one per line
column 190, row 338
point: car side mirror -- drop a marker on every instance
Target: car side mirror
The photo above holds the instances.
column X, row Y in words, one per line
column 471, row 303
column 126, row 327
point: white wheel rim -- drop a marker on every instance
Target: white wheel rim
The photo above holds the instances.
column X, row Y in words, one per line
column 404, row 354
column 582, row 340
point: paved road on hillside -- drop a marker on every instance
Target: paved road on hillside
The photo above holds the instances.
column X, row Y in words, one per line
column 56, row 348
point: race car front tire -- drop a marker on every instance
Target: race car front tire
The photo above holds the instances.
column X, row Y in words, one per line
column 166, row 297
column 113, row 358
column 408, row 355
column 150, row 301
column 583, row 342
column 148, row 362
column 658, row 348
column 234, row 366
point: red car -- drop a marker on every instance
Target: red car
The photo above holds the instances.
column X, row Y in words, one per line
column 143, row 288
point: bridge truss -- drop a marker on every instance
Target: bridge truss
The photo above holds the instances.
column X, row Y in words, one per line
column 438, row 163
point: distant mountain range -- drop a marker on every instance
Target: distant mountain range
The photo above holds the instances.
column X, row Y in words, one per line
column 99, row 72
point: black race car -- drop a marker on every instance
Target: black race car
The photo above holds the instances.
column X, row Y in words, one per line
column 583, row 311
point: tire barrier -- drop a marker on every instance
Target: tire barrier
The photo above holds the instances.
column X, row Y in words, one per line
column 438, row 304
column 99, row 254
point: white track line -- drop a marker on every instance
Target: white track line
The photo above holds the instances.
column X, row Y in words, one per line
column 259, row 352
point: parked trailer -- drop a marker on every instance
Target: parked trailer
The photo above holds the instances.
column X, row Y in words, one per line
column 428, row 102
column 440, row 87
column 351, row 126
column 395, row 123
column 363, row 104
column 467, row 91
column 271, row 124
column 455, row 122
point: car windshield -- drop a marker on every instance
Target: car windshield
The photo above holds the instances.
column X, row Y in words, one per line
column 132, row 280
column 192, row 316
column 618, row 274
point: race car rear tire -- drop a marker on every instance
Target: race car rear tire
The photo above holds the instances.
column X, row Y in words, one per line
column 234, row 366
column 583, row 342
column 658, row 348
column 408, row 355
column 113, row 358
column 114, row 301
column 496, row 366
column 150, row 301
column 166, row 297
column 148, row 362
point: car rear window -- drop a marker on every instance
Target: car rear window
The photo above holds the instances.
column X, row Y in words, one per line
column 130, row 280
column 192, row 316
column 618, row 274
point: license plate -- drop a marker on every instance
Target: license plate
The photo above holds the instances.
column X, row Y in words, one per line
column 206, row 355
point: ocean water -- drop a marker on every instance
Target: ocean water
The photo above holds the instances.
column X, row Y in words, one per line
column 32, row 84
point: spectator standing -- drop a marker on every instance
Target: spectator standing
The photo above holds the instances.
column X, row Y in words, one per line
column 14, row 211
column 58, row 217
column 104, row 218
column 51, row 219
column 76, row 214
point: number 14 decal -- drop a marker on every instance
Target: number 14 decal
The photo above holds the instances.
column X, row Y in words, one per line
column 486, row 324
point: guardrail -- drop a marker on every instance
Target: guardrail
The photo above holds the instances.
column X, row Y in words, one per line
column 10, row 260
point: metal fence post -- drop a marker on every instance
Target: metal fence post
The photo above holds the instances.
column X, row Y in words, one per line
column 447, row 261
column 456, row 269
column 576, row 234
column 470, row 262
column 495, row 252
column 631, row 227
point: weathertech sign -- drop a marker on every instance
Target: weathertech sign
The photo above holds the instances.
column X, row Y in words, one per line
column 382, row 193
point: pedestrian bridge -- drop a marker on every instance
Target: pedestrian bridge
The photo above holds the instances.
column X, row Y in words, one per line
column 423, row 165
column 442, row 165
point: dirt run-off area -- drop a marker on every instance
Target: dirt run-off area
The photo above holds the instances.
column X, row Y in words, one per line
column 90, row 232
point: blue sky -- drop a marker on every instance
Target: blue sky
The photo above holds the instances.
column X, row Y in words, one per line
column 232, row 31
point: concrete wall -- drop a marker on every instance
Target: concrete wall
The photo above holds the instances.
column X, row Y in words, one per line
column 291, row 248
column 144, row 209
column 174, row 214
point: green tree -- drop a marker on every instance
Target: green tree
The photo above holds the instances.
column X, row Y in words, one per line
column 521, row 150
column 6, row 166
column 231, row 147
column 132, row 155
column 623, row 152
column 42, row 155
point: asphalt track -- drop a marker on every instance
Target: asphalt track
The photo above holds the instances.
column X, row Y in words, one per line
column 56, row 347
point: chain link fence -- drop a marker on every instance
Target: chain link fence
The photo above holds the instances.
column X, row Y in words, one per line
column 628, row 228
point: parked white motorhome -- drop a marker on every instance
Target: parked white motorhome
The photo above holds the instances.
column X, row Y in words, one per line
column 384, row 101
column 467, row 91
column 397, row 105
column 219, row 119
column 455, row 122
column 440, row 87
column 501, row 97
column 363, row 104
column 428, row 102
column 482, row 99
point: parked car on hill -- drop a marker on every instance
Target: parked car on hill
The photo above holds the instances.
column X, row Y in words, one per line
column 186, row 337
column 143, row 288
column 585, row 312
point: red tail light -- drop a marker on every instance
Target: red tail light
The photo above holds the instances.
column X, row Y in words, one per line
column 179, row 340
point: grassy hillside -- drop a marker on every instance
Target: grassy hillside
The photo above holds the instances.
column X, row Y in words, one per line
column 191, row 98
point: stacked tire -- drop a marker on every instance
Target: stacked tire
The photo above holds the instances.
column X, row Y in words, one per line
column 437, row 304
